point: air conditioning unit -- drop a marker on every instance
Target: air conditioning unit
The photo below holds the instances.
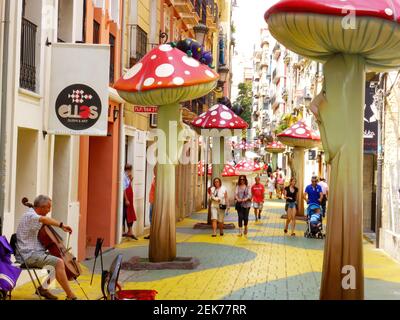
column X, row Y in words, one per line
column 153, row 120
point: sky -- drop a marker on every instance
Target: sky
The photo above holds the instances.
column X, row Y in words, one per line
column 248, row 18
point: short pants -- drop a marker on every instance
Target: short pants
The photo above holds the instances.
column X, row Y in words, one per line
column 41, row 259
column 217, row 214
column 258, row 205
column 290, row 205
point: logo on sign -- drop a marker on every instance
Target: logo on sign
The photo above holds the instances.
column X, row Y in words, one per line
column 78, row 107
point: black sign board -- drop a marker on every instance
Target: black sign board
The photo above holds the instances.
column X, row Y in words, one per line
column 371, row 115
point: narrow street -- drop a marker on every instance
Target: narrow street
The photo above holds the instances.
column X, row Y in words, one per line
column 267, row 265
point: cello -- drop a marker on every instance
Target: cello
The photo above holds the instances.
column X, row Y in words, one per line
column 53, row 243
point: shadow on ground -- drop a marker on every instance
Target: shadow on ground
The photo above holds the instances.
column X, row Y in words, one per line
column 209, row 255
column 298, row 242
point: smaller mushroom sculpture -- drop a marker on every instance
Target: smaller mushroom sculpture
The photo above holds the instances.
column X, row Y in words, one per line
column 300, row 137
column 249, row 168
column 200, row 169
column 220, row 123
column 275, row 148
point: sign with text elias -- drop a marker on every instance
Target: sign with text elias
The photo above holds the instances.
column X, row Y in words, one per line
column 79, row 89
column 142, row 109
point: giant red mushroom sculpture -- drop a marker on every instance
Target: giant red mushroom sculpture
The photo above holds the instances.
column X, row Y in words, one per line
column 300, row 137
column 164, row 77
column 349, row 37
column 248, row 168
column 225, row 122
column 275, row 147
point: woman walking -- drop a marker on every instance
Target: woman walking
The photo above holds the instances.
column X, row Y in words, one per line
column 280, row 182
column 243, row 203
column 290, row 194
column 270, row 184
column 219, row 205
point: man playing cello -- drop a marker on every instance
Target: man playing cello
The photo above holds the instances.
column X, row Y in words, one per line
column 32, row 250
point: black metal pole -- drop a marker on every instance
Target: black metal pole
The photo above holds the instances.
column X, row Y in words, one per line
column 206, row 173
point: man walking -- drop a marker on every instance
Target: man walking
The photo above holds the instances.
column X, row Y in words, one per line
column 313, row 192
column 325, row 189
column 258, row 192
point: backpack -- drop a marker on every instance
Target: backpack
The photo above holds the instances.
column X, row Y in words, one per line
column 9, row 274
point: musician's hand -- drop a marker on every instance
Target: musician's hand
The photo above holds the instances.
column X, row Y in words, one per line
column 127, row 203
column 67, row 229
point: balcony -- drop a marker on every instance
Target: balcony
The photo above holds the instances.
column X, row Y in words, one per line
column 27, row 78
column 184, row 6
column 211, row 14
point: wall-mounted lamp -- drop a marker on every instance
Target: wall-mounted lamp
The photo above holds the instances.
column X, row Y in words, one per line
column 223, row 72
column 200, row 32
column 115, row 114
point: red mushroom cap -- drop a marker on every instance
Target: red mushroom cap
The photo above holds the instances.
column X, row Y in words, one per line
column 229, row 171
column 247, row 166
column 300, row 135
column 165, row 67
column 275, row 147
column 383, row 9
column 219, row 117
column 200, row 169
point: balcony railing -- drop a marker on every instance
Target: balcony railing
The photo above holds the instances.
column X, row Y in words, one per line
column 27, row 78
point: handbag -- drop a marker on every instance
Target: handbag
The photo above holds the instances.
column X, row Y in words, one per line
column 221, row 206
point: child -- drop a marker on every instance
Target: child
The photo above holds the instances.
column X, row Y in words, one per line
column 315, row 217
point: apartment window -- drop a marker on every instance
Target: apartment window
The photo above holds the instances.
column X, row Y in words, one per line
column 112, row 58
column 28, row 55
column 96, row 32
column 138, row 44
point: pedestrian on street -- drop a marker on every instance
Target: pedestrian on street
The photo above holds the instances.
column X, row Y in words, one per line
column 280, row 182
column 313, row 192
column 219, row 205
column 290, row 193
column 243, row 203
column 151, row 197
column 269, row 169
column 270, row 184
column 128, row 209
column 258, row 193
column 325, row 190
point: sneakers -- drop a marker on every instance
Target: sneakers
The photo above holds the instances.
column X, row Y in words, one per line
column 45, row 293
column 147, row 237
column 68, row 298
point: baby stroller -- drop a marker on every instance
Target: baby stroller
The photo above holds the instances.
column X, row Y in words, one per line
column 314, row 223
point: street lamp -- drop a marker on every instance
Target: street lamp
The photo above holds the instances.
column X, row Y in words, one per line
column 200, row 32
column 223, row 72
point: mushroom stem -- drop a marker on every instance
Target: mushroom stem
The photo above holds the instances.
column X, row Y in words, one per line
column 274, row 161
column 341, row 121
column 218, row 156
column 163, row 229
column 298, row 163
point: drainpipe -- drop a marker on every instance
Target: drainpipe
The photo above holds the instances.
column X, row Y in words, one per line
column 4, row 89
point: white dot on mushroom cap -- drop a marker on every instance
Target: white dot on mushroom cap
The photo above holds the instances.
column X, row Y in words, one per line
column 153, row 56
column 170, row 58
column 214, row 120
column 225, row 107
column 178, row 81
column 210, row 74
column 159, row 83
column 148, row 82
column 300, row 131
column 226, row 115
column 389, row 11
column 187, row 72
column 133, row 71
column 214, row 113
column 214, row 108
column 198, row 121
column 165, row 47
column 165, row 70
column 295, row 126
column 288, row 131
column 190, row 61
column 222, row 122
column 231, row 124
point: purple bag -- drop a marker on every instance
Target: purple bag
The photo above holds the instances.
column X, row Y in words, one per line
column 9, row 274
